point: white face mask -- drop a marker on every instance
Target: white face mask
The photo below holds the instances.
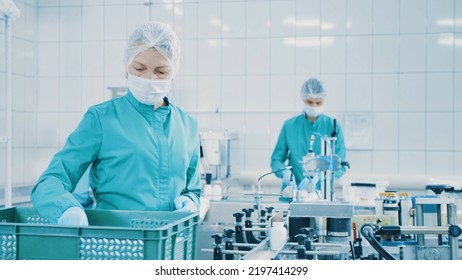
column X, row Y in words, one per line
column 313, row 111
column 149, row 92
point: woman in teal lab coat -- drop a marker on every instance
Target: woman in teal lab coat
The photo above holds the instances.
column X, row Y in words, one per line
column 143, row 150
column 294, row 139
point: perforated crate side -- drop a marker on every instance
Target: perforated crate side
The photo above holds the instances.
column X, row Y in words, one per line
column 7, row 247
column 138, row 239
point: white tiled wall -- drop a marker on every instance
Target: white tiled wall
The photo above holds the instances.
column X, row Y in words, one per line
column 412, row 131
column 398, row 61
column 24, row 90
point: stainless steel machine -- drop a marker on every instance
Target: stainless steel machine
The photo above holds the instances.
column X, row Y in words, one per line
column 319, row 229
column 216, row 146
column 215, row 162
column 399, row 227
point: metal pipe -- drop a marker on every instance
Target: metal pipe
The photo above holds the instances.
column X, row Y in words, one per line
column 452, row 213
column 253, row 229
column 332, row 152
column 453, row 240
column 259, row 224
column 258, row 198
column 9, row 111
column 148, row 4
column 259, row 192
column 310, row 253
column 323, row 174
column 438, row 223
column 9, row 13
column 227, row 251
column 322, row 245
column 244, row 245
column 419, row 222
column 423, row 230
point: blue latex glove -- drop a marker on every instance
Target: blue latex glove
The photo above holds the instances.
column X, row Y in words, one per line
column 308, row 184
column 285, row 179
column 73, row 216
column 185, row 204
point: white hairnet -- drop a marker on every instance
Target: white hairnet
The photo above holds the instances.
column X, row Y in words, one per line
column 312, row 88
column 156, row 35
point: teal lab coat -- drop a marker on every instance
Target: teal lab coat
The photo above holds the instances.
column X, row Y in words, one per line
column 140, row 159
column 294, row 142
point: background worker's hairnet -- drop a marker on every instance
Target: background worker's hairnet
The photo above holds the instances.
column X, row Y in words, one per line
column 312, row 88
column 156, row 35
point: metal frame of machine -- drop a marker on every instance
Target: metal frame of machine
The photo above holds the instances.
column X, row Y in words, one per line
column 323, row 229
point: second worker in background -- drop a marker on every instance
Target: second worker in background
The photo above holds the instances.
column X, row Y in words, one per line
column 296, row 133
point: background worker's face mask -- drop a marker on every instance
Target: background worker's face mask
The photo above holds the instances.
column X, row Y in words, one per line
column 313, row 111
column 149, row 92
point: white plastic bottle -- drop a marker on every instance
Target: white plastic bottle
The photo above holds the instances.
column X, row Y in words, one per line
column 207, row 191
column 278, row 236
column 216, row 192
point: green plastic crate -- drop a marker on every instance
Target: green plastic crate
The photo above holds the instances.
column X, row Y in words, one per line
column 111, row 235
